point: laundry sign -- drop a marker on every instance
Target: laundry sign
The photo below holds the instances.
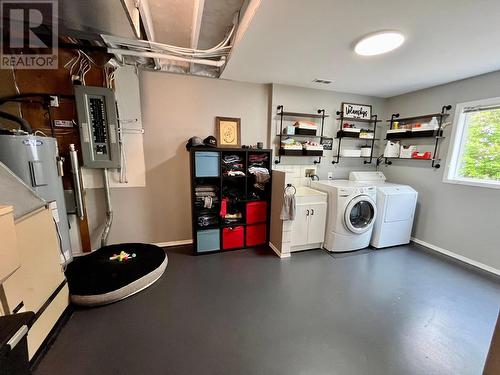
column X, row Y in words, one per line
column 357, row 111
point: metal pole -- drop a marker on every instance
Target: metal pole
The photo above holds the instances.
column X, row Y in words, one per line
column 75, row 170
column 109, row 208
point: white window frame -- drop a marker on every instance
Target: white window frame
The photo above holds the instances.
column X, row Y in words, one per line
column 454, row 147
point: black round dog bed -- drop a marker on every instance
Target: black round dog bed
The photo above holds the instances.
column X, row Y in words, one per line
column 101, row 277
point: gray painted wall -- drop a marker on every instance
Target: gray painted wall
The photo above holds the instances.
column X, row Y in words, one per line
column 461, row 219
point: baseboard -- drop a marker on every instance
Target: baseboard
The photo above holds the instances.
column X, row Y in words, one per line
column 174, row 243
column 461, row 258
column 278, row 253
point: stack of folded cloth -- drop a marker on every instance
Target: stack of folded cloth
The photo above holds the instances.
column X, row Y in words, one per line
column 312, row 146
column 206, row 219
column 232, row 165
column 291, row 144
column 262, row 176
column 206, row 196
column 258, row 160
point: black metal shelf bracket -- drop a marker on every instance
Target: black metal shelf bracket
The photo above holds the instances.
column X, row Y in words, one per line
column 280, row 113
column 435, row 160
column 336, row 160
column 322, row 113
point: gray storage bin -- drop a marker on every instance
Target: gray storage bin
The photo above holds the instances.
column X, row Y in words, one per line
column 208, row 240
column 206, row 164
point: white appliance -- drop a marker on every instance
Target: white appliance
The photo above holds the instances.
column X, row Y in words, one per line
column 351, row 214
column 395, row 210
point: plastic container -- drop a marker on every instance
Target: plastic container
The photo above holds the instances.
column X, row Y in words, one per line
column 207, row 240
column 206, row 164
column 407, row 151
column 233, row 238
column 256, row 212
column 256, row 234
column 421, row 155
column 350, row 153
column 366, row 151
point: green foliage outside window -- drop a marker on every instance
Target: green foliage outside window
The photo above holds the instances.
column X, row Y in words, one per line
column 481, row 157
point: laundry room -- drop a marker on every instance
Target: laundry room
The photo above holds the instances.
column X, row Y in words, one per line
column 249, row 187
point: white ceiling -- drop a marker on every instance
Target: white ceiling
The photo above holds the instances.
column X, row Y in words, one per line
column 295, row 41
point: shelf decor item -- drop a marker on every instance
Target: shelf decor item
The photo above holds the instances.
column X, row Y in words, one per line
column 356, row 111
column 228, row 131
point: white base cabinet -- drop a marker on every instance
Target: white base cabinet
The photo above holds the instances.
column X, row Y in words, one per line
column 308, row 228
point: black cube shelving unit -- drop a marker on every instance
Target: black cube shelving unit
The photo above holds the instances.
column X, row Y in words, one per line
column 240, row 186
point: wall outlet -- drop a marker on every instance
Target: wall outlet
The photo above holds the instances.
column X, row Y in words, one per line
column 330, row 175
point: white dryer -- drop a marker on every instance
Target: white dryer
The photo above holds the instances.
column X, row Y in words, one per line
column 395, row 210
column 351, row 214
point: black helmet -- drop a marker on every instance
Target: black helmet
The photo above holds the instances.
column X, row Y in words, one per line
column 210, row 141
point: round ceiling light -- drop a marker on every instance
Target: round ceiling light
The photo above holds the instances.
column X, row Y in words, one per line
column 379, row 42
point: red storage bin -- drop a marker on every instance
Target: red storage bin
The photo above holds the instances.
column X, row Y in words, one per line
column 256, row 212
column 233, row 238
column 256, row 234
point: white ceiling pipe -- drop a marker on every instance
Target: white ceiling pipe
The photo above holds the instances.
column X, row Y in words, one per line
column 163, row 56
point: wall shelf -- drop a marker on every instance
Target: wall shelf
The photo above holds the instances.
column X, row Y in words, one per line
column 367, row 121
column 341, row 134
column 320, row 115
column 412, row 134
column 436, row 135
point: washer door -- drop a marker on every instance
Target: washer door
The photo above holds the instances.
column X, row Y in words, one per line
column 360, row 213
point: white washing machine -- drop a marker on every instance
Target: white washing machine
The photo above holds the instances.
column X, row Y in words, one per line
column 351, row 214
column 395, row 210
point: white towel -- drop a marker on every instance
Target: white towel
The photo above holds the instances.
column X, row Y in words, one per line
column 289, row 207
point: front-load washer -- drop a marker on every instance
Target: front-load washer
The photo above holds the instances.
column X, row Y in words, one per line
column 351, row 214
column 395, row 210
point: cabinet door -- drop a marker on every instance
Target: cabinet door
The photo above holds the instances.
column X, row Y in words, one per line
column 317, row 223
column 300, row 224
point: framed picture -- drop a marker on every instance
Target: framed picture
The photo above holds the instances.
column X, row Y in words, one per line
column 357, row 111
column 228, row 131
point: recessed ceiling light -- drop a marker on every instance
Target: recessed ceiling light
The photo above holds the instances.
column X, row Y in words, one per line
column 379, row 42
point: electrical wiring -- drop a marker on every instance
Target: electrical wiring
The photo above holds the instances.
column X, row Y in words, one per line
column 135, row 47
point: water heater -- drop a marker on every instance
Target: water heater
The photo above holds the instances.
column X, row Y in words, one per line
column 34, row 160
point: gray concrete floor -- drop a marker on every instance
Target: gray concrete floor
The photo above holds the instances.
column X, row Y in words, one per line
column 394, row 311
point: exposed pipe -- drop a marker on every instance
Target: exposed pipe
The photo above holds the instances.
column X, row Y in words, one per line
column 75, row 170
column 25, row 125
column 109, row 209
column 156, row 55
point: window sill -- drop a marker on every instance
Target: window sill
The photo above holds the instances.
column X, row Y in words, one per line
column 484, row 184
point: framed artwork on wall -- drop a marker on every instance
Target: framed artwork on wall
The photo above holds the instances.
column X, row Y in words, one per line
column 357, row 111
column 228, row 131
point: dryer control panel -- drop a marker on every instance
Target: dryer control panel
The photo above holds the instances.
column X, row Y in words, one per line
column 98, row 124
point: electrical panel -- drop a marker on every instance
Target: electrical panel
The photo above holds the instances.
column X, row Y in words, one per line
column 98, row 122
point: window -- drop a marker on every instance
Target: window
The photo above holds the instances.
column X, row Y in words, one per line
column 474, row 152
